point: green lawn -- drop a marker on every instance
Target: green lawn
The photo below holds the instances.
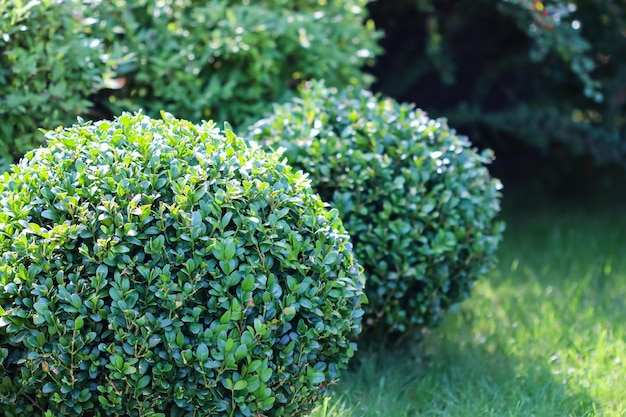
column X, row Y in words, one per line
column 544, row 336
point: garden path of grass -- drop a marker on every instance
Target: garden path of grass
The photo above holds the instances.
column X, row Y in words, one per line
column 544, row 336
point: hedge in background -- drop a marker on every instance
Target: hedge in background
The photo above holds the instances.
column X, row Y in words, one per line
column 157, row 268
column 546, row 74
column 49, row 66
column 227, row 60
column 416, row 198
column 220, row 60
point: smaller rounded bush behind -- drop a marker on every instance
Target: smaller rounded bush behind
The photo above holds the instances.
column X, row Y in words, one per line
column 158, row 268
column 416, row 198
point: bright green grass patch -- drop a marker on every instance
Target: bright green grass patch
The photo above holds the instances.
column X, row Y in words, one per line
column 544, row 336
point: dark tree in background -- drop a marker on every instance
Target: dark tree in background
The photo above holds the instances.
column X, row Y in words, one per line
column 524, row 77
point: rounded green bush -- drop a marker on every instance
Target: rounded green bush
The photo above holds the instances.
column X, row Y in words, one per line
column 415, row 197
column 159, row 268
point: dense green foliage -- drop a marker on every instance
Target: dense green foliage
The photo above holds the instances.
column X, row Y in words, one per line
column 226, row 60
column 415, row 197
column 512, row 72
column 157, row 268
column 48, row 68
column 219, row 60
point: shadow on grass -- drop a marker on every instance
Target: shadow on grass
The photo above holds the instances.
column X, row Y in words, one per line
column 542, row 337
column 468, row 374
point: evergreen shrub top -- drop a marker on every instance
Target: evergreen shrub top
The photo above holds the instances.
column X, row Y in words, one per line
column 158, row 268
column 415, row 196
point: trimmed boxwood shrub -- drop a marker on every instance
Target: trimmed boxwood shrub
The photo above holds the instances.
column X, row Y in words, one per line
column 158, row 268
column 416, row 198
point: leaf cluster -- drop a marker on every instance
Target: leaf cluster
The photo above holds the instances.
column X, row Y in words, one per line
column 49, row 65
column 227, row 60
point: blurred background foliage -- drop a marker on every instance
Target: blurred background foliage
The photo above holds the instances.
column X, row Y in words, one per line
column 49, row 66
column 225, row 60
column 535, row 81
column 228, row 59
